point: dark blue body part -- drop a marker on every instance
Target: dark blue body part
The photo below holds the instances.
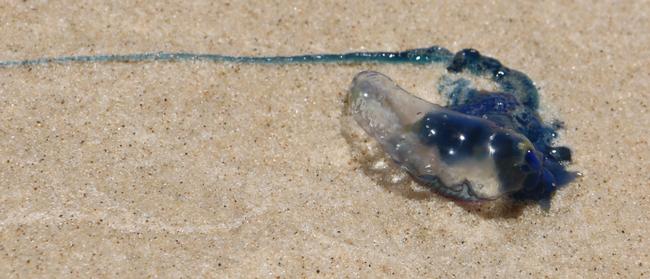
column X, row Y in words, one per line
column 456, row 137
column 505, row 110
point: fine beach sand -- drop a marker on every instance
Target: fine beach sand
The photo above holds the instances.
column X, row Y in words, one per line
column 219, row 170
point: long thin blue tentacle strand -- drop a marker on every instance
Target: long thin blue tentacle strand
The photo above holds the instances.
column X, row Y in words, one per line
column 414, row 56
column 511, row 81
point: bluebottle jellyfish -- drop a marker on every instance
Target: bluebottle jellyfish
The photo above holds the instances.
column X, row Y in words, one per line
column 481, row 145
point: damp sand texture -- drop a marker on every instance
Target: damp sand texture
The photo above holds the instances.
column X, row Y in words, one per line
column 224, row 170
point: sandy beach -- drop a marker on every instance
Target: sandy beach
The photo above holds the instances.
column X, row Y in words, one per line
column 199, row 169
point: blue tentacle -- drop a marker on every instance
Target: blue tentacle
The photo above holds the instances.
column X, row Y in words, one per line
column 420, row 56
